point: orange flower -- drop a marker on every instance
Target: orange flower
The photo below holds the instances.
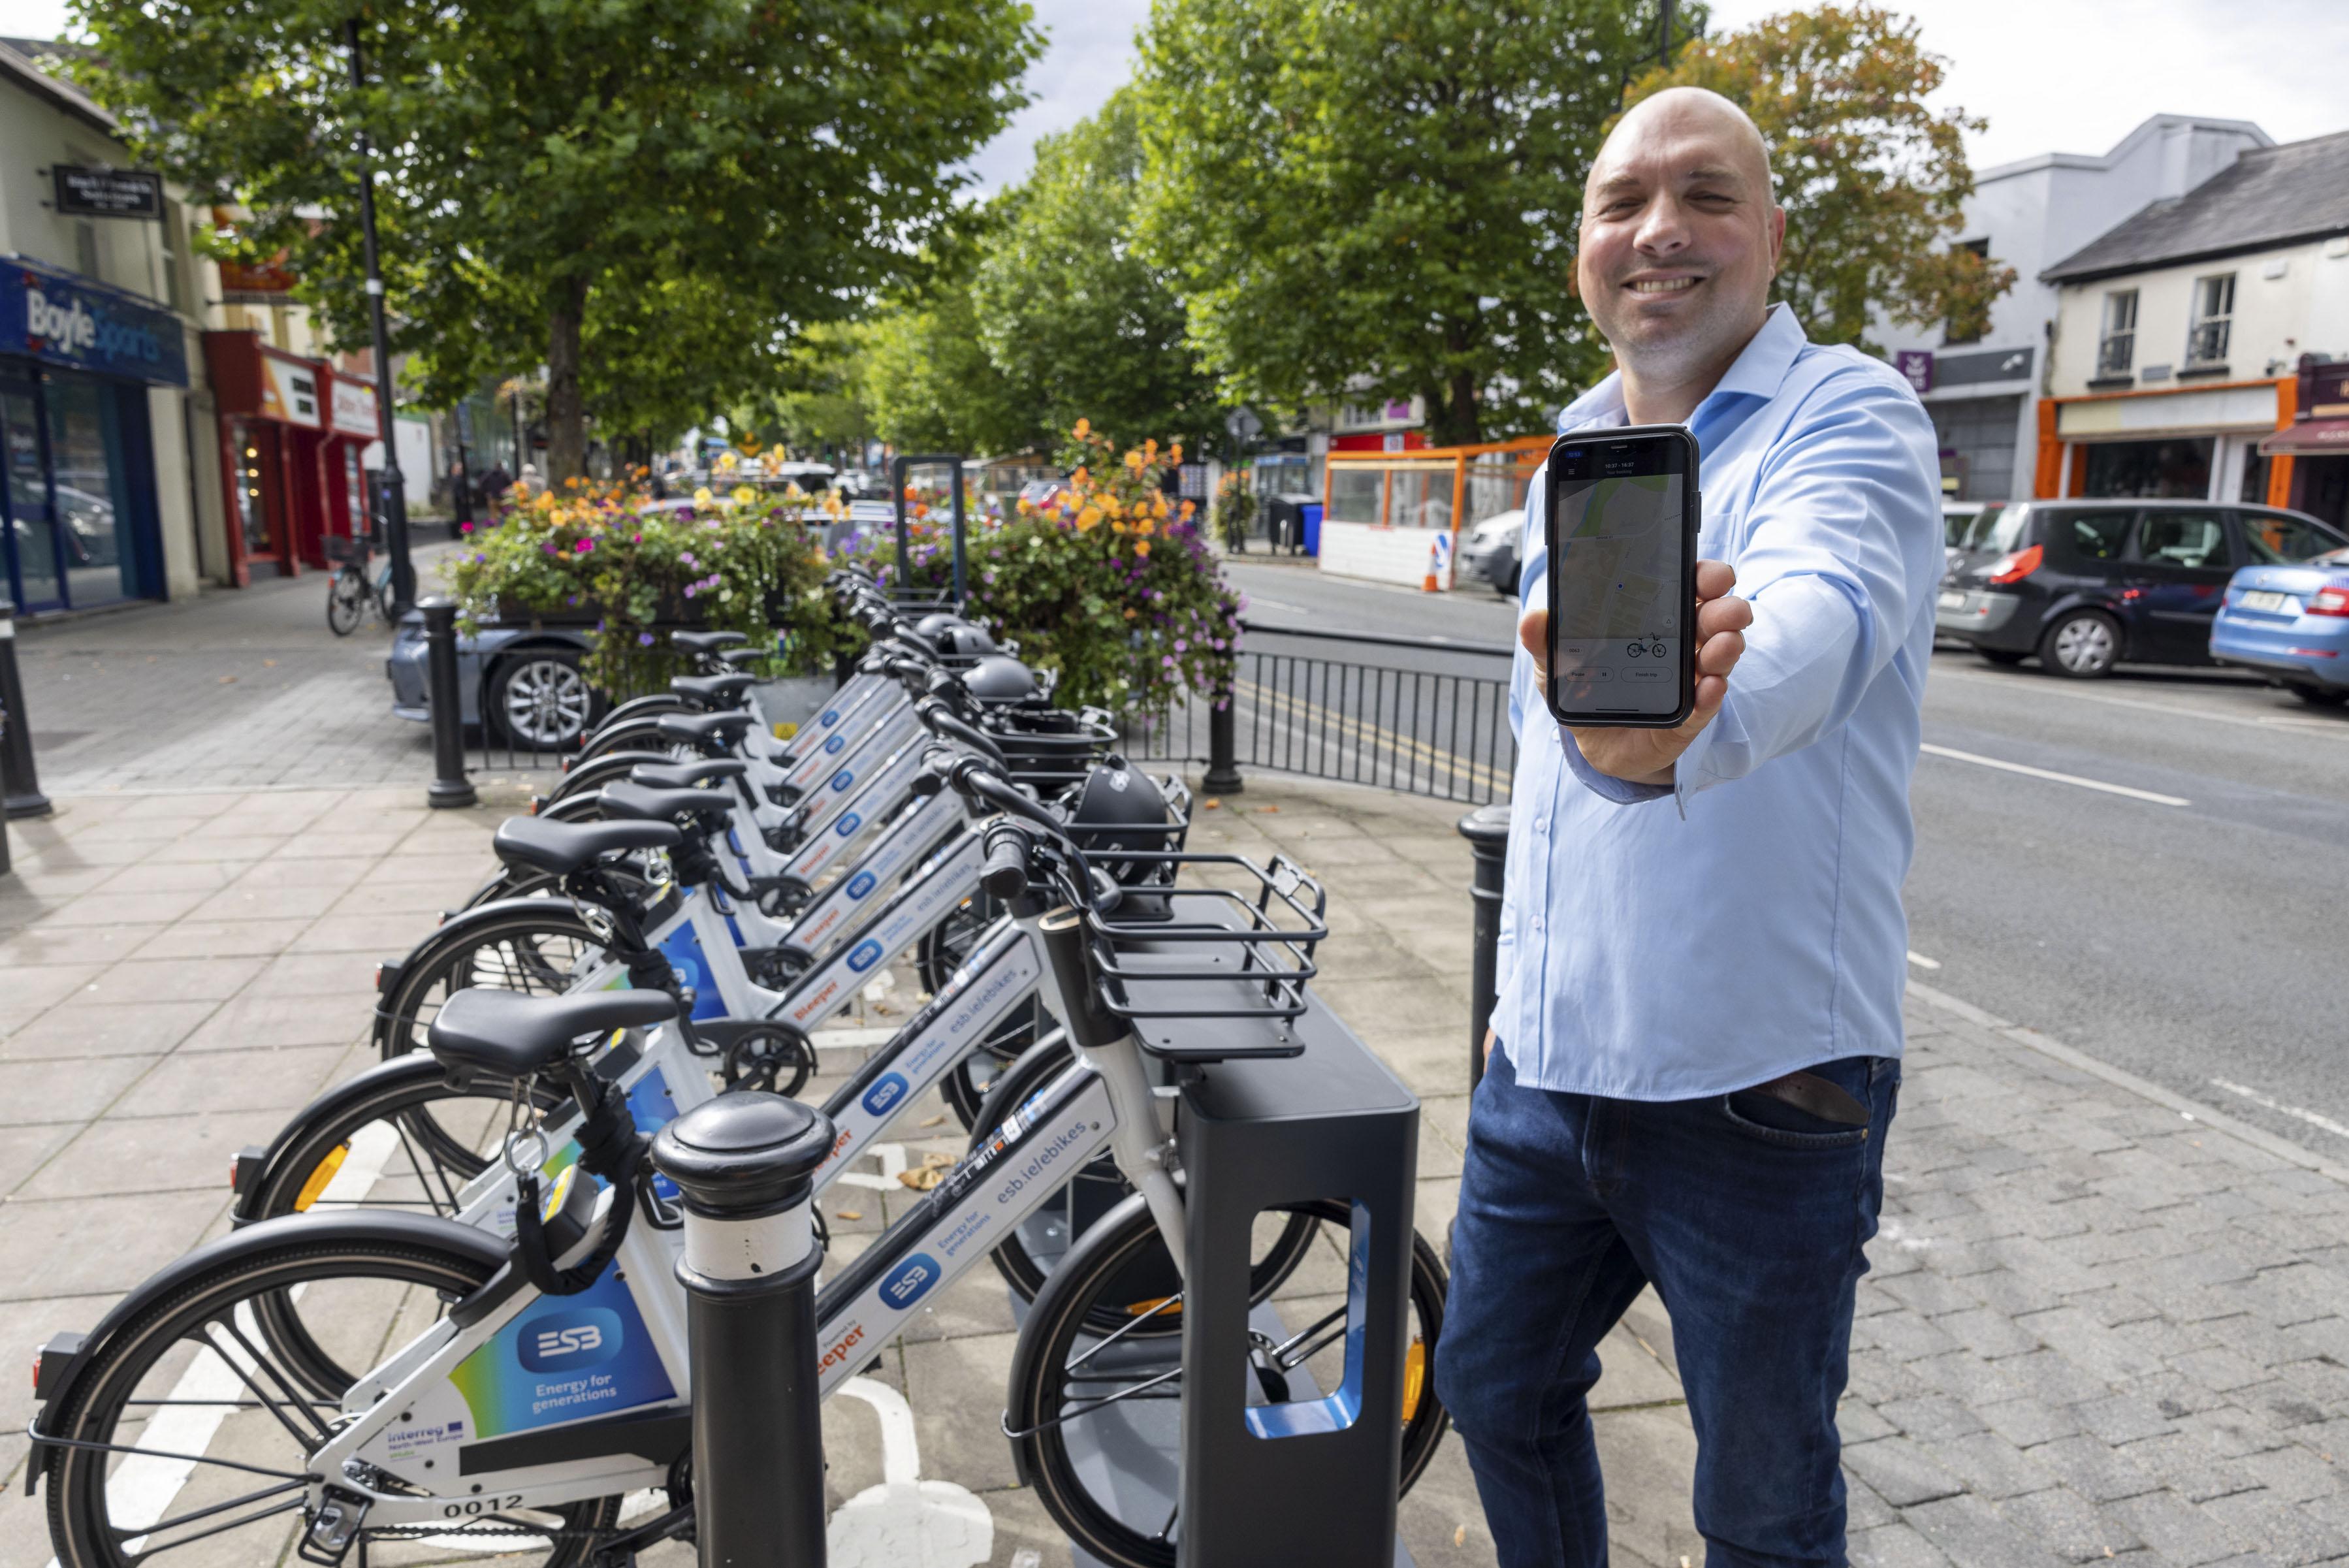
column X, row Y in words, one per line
column 1142, row 546
column 1085, row 428
column 1188, row 508
column 1174, row 454
column 1089, row 519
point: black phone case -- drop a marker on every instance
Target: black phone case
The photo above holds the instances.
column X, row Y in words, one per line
column 1692, row 519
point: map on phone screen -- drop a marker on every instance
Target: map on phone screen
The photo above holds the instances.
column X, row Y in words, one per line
column 1616, row 632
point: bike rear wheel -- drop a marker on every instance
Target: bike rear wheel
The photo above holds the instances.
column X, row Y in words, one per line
column 347, row 601
column 189, row 1376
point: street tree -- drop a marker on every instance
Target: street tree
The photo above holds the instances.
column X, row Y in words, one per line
column 1070, row 303
column 554, row 177
column 1874, row 181
column 1371, row 199
column 930, row 385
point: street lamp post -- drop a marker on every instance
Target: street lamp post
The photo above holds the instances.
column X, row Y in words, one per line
column 395, row 490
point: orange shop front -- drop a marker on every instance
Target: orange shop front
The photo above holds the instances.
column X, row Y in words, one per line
column 291, row 432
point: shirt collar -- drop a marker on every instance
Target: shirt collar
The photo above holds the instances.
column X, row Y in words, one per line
column 1758, row 371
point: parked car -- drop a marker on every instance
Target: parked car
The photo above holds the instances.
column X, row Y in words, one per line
column 525, row 679
column 1489, row 550
column 2086, row 585
column 2287, row 614
column 1957, row 520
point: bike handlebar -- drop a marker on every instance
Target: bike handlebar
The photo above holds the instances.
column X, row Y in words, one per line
column 1006, row 873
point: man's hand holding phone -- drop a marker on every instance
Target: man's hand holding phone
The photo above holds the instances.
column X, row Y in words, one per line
column 1647, row 756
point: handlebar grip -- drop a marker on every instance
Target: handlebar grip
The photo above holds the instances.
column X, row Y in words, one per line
column 1005, row 875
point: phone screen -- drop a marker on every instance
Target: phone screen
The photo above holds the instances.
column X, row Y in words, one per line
column 1620, row 599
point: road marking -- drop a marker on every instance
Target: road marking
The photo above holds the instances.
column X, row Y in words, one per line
column 1921, row 961
column 2295, row 1112
column 905, row 1521
column 1256, row 600
column 2331, row 727
column 2050, row 775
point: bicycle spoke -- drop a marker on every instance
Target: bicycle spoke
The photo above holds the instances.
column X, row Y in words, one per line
column 1169, row 1304
column 290, row 1505
column 161, row 1525
column 1287, row 1358
column 310, row 1440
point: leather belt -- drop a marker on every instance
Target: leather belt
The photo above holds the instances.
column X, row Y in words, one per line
column 1821, row 1097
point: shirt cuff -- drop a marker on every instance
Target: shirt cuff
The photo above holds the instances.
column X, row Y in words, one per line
column 1606, row 786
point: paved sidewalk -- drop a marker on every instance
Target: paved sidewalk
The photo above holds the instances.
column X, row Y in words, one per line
column 2102, row 1324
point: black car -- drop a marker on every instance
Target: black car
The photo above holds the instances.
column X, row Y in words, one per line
column 2087, row 583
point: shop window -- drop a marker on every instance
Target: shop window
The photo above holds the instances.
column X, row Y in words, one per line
column 2116, row 348
column 252, row 500
column 2214, row 315
column 2179, row 468
column 90, row 474
column 2255, row 479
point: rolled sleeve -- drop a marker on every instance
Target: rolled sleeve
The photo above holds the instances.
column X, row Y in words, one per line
column 1843, row 542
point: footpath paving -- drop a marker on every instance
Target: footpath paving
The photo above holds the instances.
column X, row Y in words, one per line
column 2102, row 1324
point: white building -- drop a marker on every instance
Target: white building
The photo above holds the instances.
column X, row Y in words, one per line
column 1983, row 392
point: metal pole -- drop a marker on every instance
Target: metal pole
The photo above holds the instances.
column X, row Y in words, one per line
column 20, row 782
column 450, row 786
column 1487, row 829
column 960, row 597
column 1222, row 774
column 395, row 489
column 746, row 1165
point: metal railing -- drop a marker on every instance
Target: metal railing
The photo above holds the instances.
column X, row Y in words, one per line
column 1434, row 732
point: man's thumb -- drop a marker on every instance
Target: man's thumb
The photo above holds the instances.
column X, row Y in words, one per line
column 1533, row 632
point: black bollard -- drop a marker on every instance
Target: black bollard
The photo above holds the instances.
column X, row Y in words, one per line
column 1222, row 774
column 450, row 786
column 1487, row 829
column 20, row 785
column 746, row 1163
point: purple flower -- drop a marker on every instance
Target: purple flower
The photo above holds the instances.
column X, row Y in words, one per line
column 1181, row 645
column 644, row 640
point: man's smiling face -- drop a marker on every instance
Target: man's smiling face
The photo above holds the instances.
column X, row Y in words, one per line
column 1680, row 236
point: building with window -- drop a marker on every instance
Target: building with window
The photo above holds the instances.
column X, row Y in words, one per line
column 103, row 421
column 2197, row 342
column 1983, row 392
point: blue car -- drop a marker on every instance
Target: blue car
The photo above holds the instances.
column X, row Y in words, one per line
column 2288, row 616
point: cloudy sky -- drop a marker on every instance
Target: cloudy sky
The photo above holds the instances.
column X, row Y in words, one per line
column 2068, row 76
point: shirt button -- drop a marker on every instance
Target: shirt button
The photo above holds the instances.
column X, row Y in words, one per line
column 1537, row 922
column 1541, row 824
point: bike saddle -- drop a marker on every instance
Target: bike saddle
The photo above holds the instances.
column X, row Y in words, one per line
column 685, row 776
column 513, row 1034
column 641, row 802
column 559, row 848
column 705, row 732
column 713, row 690
column 705, row 641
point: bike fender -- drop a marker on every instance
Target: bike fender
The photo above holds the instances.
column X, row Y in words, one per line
column 648, row 705
column 458, row 926
column 359, row 1224
column 604, row 767
column 409, row 1067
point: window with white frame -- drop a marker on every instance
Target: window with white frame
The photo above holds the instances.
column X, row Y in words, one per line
column 2116, row 347
column 2214, row 315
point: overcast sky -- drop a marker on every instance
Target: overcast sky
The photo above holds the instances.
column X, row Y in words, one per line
column 2064, row 76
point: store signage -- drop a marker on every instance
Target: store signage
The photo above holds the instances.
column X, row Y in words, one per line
column 355, row 409
column 1916, row 368
column 289, row 391
column 108, row 193
column 60, row 318
column 1396, row 409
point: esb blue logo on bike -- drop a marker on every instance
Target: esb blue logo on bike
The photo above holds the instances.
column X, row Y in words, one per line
column 841, row 780
column 831, row 717
column 831, row 747
column 562, row 1341
column 862, row 883
column 886, row 1093
column 864, row 955
column 848, row 825
column 911, row 1282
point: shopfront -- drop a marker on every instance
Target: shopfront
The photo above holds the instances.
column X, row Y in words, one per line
column 2310, row 454
column 2195, row 443
column 273, row 413
column 79, row 502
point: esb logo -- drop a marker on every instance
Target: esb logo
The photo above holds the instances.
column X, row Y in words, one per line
column 862, row 883
column 841, row 780
column 831, row 747
column 848, row 825
column 831, row 717
column 912, row 1280
column 885, row 1094
column 866, row 955
column 585, row 1336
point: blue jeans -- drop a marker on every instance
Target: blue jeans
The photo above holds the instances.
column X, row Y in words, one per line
column 1748, row 1216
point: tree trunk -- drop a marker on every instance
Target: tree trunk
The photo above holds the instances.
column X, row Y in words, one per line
column 1455, row 414
column 566, row 415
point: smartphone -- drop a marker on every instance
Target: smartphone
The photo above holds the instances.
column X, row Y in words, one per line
column 1622, row 517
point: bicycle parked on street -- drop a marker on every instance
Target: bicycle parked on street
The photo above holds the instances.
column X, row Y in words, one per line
column 353, row 593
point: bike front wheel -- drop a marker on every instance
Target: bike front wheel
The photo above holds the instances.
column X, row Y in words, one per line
column 347, row 601
column 1068, row 1372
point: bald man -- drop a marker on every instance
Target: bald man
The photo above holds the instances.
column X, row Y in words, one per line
column 1696, row 1046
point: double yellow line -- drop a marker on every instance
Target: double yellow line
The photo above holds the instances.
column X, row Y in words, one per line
column 1284, row 706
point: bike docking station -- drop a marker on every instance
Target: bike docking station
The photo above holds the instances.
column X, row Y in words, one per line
column 1274, row 1105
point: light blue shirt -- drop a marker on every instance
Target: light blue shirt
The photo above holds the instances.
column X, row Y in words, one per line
column 1663, row 942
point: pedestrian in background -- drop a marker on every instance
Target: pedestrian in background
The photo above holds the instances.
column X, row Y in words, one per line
column 1695, row 1048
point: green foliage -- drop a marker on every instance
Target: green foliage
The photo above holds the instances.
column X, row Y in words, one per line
column 1371, row 199
column 1874, row 181
column 1068, row 304
column 745, row 564
column 1112, row 587
column 612, row 188
column 931, row 386
column 1234, row 507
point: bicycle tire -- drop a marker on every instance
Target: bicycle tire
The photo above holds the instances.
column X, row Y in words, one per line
column 347, row 600
column 1077, row 1297
column 1026, row 1273
column 134, row 1358
column 635, row 735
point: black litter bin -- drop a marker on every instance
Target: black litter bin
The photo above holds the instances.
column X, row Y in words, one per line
column 1285, row 521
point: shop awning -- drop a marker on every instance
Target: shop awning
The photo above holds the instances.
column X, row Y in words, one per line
column 2310, row 438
